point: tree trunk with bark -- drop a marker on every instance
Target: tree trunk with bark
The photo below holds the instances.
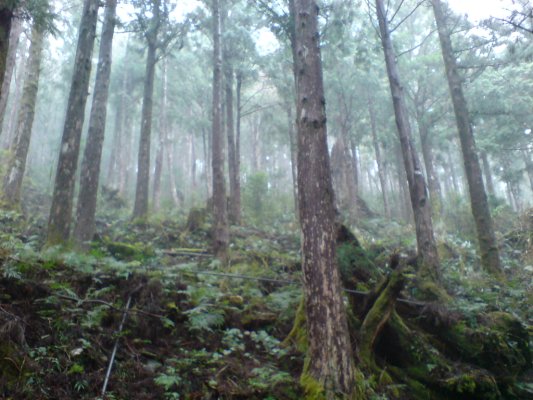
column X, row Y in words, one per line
column 428, row 263
column 330, row 369
column 17, row 164
column 488, row 174
column 294, row 152
column 234, row 179
column 379, row 160
column 6, row 18
column 162, row 139
column 140, row 209
column 62, row 201
column 220, row 209
column 490, row 257
column 14, row 36
column 435, row 194
column 90, row 168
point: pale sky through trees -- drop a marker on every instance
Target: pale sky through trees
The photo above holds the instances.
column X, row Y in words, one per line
column 481, row 9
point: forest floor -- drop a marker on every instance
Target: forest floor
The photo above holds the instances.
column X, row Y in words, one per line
column 186, row 327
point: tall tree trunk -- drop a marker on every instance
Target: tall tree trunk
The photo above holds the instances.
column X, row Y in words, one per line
column 294, row 153
column 330, row 358
column 16, row 30
column 238, row 93
column 17, row 163
column 159, row 159
column 121, row 117
column 428, row 267
column 6, row 17
column 435, row 194
column 61, row 210
column 10, row 125
column 490, row 257
column 220, row 210
column 193, row 163
column 140, row 209
column 379, row 160
column 488, row 174
column 235, row 202
column 529, row 167
column 84, row 227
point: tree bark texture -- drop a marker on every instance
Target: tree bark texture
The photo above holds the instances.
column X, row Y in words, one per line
column 62, row 201
column 17, row 163
column 220, row 208
column 379, row 160
column 6, row 17
column 488, row 174
column 330, row 357
column 162, row 141
column 435, row 194
column 490, row 257
column 140, row 209
column 429, row 267
column 234, row 179
column 90, row 168
column 14, row 36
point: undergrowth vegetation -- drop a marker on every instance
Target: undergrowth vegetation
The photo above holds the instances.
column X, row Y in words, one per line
column 196, row 329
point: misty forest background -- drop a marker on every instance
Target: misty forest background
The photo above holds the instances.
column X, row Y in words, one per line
column 167, row 190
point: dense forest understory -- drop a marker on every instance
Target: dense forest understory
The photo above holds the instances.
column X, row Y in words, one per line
column 182, row 217
column 186, row 326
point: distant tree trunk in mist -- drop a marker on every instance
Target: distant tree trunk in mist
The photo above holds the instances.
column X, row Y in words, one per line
column 330, row 359
column 488, row 174
column 343, row 182
column 10, row 125
column 16, row 30
column 17, row 162
column 294, row 153
column 84, row 227
column 490, row 257
column 61, row 210
column 6, row 17
column 238, row 93
column 234, row 211
column 435, row 194
column 140, row 210
column 529, row 168
column 159, row 158
column 220, row 210
column 379, row 160
column 428, row 263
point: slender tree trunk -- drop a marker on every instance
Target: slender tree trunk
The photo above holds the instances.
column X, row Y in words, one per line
column 330, row 358
column 428, row 267
column 435, row 194
column 140, row 209
column 16, row 30
column 61, row 210
column 238, row 92
column 490, row 257
column 90, row 168
column 235, row 202
column 159, row 159
column 379, row 161
column 529, row 167
column 6, row 17
column 121, row 116
column 294, row 152
column 488, row 174
column 220, row 211
column 17, row 163
column 10, row 125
